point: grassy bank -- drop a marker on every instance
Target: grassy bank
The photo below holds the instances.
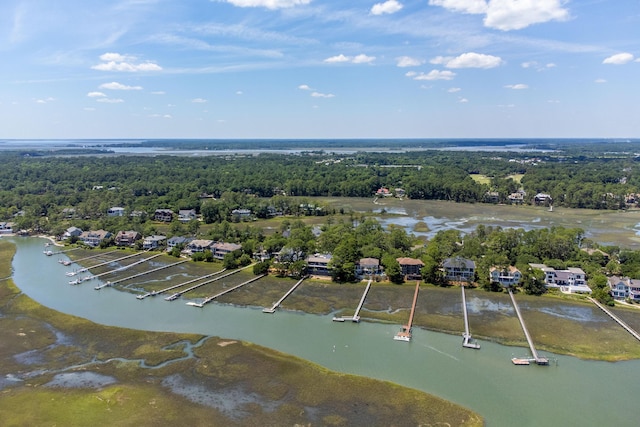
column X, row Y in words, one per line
column 227, row 383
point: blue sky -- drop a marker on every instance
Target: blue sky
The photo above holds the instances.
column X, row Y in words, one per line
column 319, row 68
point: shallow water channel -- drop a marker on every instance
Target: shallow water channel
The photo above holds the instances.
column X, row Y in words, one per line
column 571, row 392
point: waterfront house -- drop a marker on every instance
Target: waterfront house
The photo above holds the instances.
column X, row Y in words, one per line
column 410, row 267
column 177, row 241
column 517, row 198
column 624, row 287
column 542, row 199
column 6, row 227
column 241, row 214
column 186, row 215
column 115, row 211
column 318, row 264
column 459, row 269
column 570, row 280
column 153, row 242
column 127, row 238
column 94, row 238
column 368, row 267
column 199, row 245
column 509, row 276
column 163, row 215
column 220, row 249
column 72, row 232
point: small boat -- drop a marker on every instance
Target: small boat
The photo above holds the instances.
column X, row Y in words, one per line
column 74, row 282
column 172, row 297
column 520, row 361
column 47, row 253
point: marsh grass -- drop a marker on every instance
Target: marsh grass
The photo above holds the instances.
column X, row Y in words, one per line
column 235, row 384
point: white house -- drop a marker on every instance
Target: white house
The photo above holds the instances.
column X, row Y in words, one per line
column 93, row 238
column 199, row 245
column 186, row 215
column 153, row 242
column 509, row 276
column 6, row 227
column 115, row 211
column 572, row 280
column 624, row 287
column 220, row 249
column 459, row 269
column 72, row 232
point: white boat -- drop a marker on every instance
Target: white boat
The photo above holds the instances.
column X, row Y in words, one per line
column 74, row 282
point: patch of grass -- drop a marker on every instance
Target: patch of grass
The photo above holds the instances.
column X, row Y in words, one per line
column 481, row 179
column 517, row 177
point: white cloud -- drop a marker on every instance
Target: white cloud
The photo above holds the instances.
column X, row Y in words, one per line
column 118, row 86
column 600, row 81
column 454, row 90
column 110, row 100
column 469, row 60
column 304, row 87
column 45, row 100
column 125, row 63
column 269, row 4
column 619, row 59
column 464, row 6
column 389, row 6
column 337, row 58
column 239, row 92
column 158, row 92
column 518, row 86
column 463, row 100
column 432, row 75
column 322, row 95
column 363, row 59
column 537, row 66
column 358, row 59
column 199, row 100
column 509, row 14
column 407, row 61
column 96, row 95
column 163, row 116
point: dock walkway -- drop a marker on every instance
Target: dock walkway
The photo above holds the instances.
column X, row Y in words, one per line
column 356, row 316
column 70, row 261
column 537, row 358
column 82, row 270
column 467, row 341
column 405, row 331
column 180, row 293
column 179, row 285
column 617, row 319
column 126, row 267
column 226, row 291
column 113, row 282
column 289, row 292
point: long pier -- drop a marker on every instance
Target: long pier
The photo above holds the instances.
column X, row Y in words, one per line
column 405, row 331
column 113, row 282
column 467, row 341
column 69, row 262
column 51, row 253
column 126, row 267
column 277, row 304
column 178, row 294
column 82, row 270
column 537, row 358
column 179, row 285
column 226, row 291
column 616, row 318
column 356, row 316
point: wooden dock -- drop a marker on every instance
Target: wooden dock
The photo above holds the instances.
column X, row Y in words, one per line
column 179, row 285
column 467, row 341
column 126, row 267
column 617, row 319
column 82, row 270
column 69, row 262
column 113, row 282
column 289, row 292
column 226, row 291
column 405, row 331
column 180, row 293
column 537, row 358
column 356, row 316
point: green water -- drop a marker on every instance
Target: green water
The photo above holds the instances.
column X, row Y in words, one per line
column 572, row 393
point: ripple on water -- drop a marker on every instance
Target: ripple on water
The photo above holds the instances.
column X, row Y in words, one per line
column 85, row 379
column 229, row 400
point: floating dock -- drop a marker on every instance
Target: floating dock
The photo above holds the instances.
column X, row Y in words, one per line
column 617, row 319
column 226, row 291
column 467, row 341
column 536, row 358
column 405, row 331
column 356, row 316
column 289, row 292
